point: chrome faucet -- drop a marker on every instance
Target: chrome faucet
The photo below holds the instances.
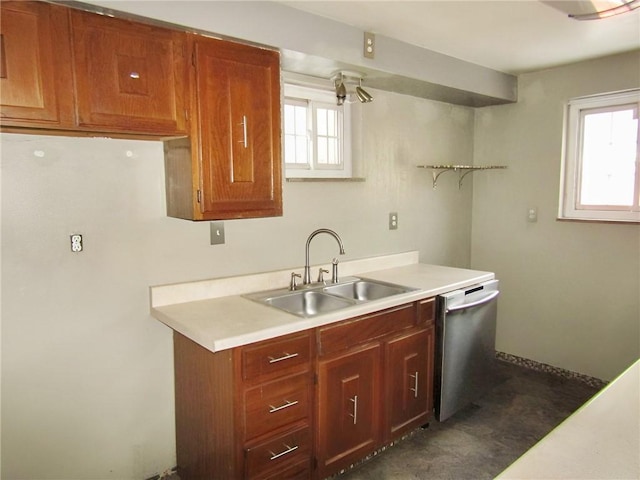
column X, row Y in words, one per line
column 307, row 269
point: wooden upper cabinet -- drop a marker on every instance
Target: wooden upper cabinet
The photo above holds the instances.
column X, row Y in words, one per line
column 239, row 89
column 65, row 69
column 35, row 69
column 231, row 167
column 129, row 77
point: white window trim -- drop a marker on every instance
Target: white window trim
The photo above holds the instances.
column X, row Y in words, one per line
column 569, row 180
column 321, row 171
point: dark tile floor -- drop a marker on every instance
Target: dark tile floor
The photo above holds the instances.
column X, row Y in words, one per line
column 483, row 439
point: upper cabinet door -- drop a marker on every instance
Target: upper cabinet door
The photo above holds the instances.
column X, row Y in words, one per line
column 35, row 70
column 238, row 99
column 129, row 77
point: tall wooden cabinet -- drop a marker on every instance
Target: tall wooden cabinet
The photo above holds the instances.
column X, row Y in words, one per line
column 35, row 65
column 231, row 166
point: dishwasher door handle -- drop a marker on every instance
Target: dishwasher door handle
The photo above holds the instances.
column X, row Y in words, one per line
column 482, row 301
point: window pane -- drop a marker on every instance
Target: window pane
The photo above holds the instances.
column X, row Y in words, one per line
column 301, row 121
column 296, row 144
column 332, row 151
column 289, row 149
column 321, row 121
column 322, row 150
column 289, row 119
column 302, row 150
column 609, row 158
column 328, row 137
column 331, row 123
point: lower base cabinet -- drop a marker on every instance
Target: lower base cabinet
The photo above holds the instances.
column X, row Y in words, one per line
column 305, row 405
column 409, row 380
column 348, row 408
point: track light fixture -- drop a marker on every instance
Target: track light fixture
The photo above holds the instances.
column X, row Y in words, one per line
column 344, row 83
column 362, row 94
column 341, row 90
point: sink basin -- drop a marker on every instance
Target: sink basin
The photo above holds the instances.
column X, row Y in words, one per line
column 308, row 303
column 316, row 299
column 366, row 290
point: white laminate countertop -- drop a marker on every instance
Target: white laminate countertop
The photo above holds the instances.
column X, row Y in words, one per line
column 601, row 440
column 213, row 313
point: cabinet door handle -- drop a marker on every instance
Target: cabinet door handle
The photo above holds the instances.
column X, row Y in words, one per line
column 285, row 452
column 415, row 385
column 286, row 404
column 244, row 131
column 355, row 409
column 286, row 356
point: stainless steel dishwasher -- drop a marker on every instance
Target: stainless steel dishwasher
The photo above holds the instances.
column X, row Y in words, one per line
column 465, row 346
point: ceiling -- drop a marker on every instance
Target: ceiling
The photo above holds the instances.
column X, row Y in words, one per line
column 511, row 36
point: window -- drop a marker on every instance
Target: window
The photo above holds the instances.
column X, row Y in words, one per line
column 316, row 134
column 601, row 164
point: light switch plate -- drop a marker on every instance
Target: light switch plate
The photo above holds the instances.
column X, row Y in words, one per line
column 217, row 233
column 369, row 45
column 393, row 221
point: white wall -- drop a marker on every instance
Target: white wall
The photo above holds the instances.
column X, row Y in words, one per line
column 571, row 291
column 87, row 387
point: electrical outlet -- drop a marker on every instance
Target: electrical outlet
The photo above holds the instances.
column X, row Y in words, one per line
column 369, row 45
column 393, row 221
column 76, row 242
column 217, row 233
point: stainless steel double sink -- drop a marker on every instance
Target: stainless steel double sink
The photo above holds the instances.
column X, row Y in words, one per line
column 316, row 299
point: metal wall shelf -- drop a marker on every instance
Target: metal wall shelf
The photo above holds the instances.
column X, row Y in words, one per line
column 463, row 170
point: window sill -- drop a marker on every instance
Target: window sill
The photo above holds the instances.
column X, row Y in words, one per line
column 588, row 220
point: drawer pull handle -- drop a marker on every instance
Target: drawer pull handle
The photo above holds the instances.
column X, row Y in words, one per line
column 355, row 409
column 286, row 356
column 287, row 404
column 285, row 452
column 415, row 385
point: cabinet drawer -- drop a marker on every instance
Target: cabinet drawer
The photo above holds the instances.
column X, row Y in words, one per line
column 278, row 452
column 299, row 471
column 336, row 338
column 275, row 358
column 276, row 404
column 427, row 311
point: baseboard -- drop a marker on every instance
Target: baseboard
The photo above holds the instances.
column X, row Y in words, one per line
column 165, row 474
column 543, row 367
